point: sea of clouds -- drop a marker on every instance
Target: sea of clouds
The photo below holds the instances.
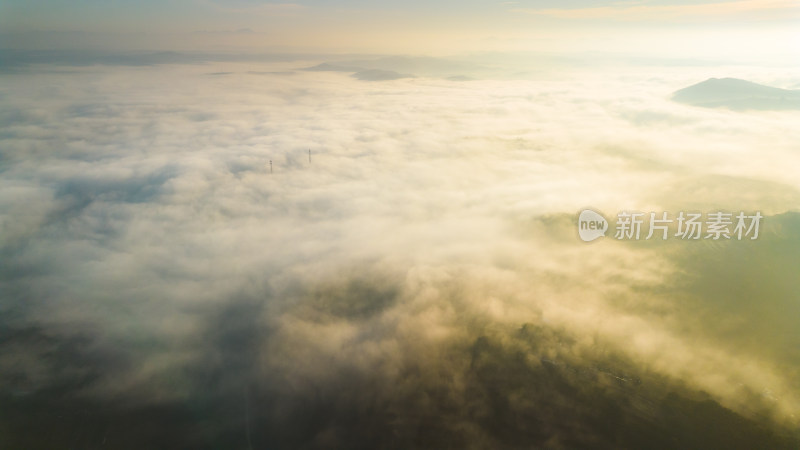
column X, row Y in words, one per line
column 418, row 282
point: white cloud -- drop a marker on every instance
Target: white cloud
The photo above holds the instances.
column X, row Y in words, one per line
column 433, row 214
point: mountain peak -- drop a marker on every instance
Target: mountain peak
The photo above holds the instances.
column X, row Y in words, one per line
column 737, row 94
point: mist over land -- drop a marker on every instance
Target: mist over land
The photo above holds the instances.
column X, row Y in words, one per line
column 419, row 283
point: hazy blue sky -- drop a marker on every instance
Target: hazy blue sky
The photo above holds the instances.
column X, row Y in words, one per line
column 669, row 27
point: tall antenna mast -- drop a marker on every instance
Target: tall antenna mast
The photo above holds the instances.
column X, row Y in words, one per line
column 270, row 166
column 309, row 156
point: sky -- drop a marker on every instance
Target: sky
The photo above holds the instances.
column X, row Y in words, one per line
column 354, row 225
column 757, row 27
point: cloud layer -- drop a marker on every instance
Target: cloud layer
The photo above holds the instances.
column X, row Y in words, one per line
column 418, row 281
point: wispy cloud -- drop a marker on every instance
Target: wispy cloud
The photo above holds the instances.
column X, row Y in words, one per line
column 638, row 11
column 258, row 7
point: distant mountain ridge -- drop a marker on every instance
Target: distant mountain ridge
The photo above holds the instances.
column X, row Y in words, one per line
column 380, row 75
column 396, row 67
column 328, row 67
column 738, row 94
